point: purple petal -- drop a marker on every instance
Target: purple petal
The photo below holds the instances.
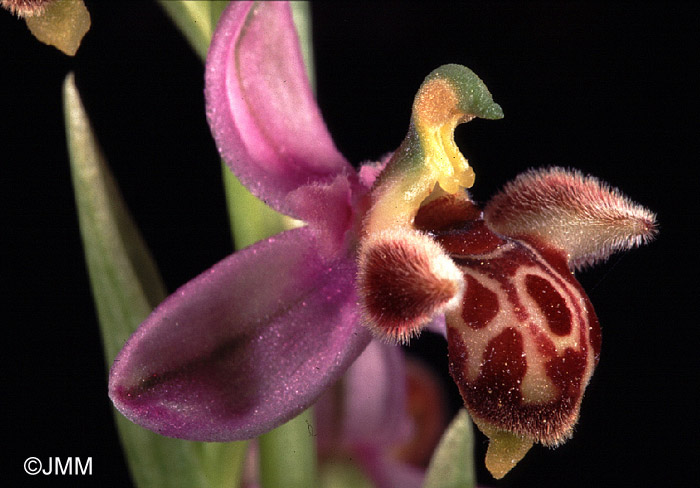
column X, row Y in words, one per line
column 243, row 347
column 260, row 107
column 366, row 411
column 371, row 420
column 375, row 397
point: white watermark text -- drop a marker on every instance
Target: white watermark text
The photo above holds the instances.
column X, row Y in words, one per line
column 59, row 466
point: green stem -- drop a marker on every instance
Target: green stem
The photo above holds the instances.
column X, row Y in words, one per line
column 288, row 454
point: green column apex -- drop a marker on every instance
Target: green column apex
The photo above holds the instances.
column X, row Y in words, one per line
column 450, row 95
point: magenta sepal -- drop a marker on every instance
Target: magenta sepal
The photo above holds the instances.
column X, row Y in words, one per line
column 365, row 418
column 260, row 106
column 373, row 413
column 253, row 341
column 243, row 347
column 376, row 419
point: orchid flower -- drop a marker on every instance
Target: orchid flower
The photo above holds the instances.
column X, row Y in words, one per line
column 379, row 433
column 257, row 338
column 387, row 427
column 58, row 23
column 254, row 341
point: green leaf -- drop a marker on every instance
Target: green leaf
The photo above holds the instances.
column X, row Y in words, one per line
column 126, row 286
column 288, row 454
column 125, row 282
column 452, row 465
column 196, row 20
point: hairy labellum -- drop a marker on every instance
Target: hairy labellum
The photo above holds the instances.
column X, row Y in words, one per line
column 523, row 339
column 522, row 335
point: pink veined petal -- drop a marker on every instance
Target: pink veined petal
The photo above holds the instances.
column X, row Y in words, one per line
column 260, row 107
column 243, row 347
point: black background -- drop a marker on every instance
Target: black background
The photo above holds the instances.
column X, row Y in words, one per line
column 609, row 88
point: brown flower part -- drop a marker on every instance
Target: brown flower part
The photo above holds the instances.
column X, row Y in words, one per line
column 523, row 338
